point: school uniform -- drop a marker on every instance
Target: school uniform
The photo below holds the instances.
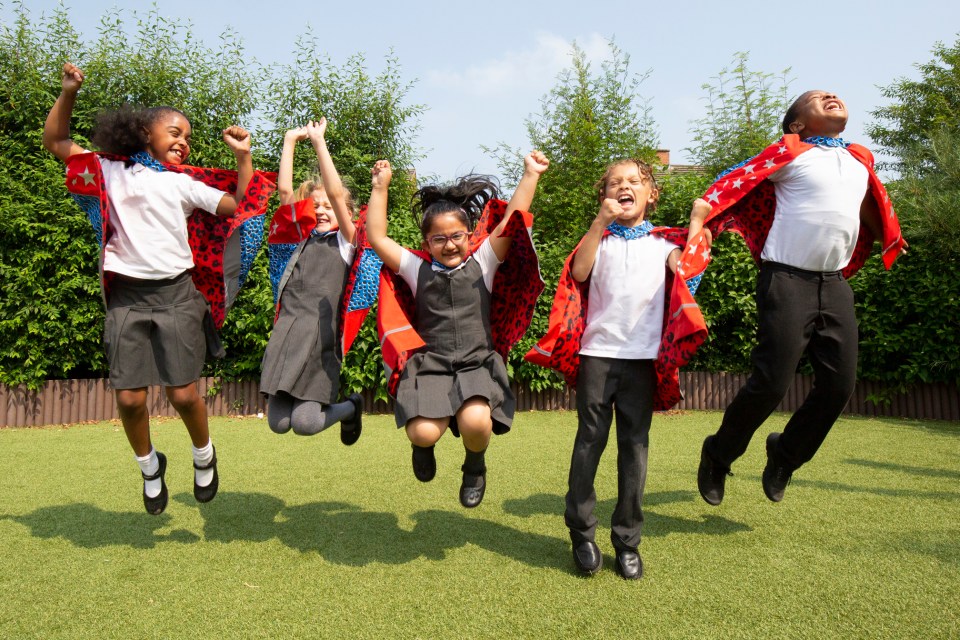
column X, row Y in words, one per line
column 169, row 268
column 797, row 204
column 154, row 327
column 620, row 342
column 458, row 360
column 303, row 357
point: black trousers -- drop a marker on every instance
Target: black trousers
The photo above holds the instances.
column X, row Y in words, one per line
column 606, row 386
column 797, row 311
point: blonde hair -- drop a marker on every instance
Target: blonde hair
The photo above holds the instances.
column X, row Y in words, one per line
column 645, row 171
column 314, row 183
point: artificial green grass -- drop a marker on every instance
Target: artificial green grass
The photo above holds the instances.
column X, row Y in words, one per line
column 309, row 538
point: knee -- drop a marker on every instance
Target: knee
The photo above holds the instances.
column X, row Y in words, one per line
column 424, row 433
column 183, row 398
column 473, row 418
column 131, row 400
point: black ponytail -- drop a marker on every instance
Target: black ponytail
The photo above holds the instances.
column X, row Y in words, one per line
column 466, row 198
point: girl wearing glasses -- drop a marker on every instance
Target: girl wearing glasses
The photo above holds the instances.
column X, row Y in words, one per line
column 448, row 314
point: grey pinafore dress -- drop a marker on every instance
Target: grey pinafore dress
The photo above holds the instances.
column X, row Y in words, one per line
column 458, row 361
column 303, row 356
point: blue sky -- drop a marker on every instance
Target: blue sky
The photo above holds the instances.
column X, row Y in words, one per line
column 482, row 67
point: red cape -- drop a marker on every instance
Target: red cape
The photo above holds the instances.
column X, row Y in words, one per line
column 223, row 246
column 683, row 325
column 744, row 202
column 516, row 286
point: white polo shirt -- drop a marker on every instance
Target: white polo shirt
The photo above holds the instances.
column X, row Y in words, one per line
column 626, row 298
column 148, row 214
column 817, row 219
column 484, row 255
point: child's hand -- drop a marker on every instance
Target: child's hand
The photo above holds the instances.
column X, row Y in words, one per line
column 72, row 78
column 238, row 139
column 700, row 210
column 316, row 130
column 535, row 163
column 610, row 210
column 382, row 173
column 296, row 135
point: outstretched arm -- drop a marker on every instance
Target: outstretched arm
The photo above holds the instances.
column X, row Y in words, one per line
column 285, row 175
column 331, row 179
column 238, row 139
column 56, row 128
column 586, row 255
column 388, row 250
column 533, row 167
column 698, row 214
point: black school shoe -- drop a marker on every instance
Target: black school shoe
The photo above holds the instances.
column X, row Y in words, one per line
column 209, row 492
column 350, row 429
column 158, row 503
column 711, row 476
column 587, row 557
column 776, row 475
column 424, row 463
column 629, row 565
column 472, row 488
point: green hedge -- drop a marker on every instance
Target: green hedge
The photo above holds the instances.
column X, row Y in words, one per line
column 51, row 313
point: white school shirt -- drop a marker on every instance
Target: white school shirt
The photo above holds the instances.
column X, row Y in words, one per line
column 817, row 219
column 485, row 255
column 148, row 214
column 626, row 298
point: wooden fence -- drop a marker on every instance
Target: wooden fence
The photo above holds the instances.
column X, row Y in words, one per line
column 73, row 401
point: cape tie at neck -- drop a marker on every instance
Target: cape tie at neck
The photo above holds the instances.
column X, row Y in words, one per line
column 144, row 158
column 630, row 233
column 824, row 141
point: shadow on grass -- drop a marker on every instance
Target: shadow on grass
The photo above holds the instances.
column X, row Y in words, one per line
column 343, row 533
column 655, row 525
column 952, row 474
column 878, row 491
column 90, row 527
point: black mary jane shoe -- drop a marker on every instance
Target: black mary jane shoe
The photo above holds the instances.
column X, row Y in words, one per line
column 424, row 463
column 587, row 557
column 629, row 565
column 472, row 488
column 350, row 429
column 158, row 503
column 209, row 492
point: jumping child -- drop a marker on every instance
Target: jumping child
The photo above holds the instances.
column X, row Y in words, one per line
column 158, row 326
column 616, row 280
column 301, row 365
column 809, row 207
column 456, row 377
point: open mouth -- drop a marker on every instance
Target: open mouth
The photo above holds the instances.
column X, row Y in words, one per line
column 833, row 106
column 625, row 200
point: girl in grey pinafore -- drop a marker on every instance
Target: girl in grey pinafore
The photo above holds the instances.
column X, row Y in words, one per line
column 301, row 365
column 458, row 361
column 456, row 380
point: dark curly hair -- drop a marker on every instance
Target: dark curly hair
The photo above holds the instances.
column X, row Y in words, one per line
column 466, row 198
column 123, row 131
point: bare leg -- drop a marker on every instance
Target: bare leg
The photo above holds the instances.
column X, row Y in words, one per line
column 188, row 403
column 132, row 406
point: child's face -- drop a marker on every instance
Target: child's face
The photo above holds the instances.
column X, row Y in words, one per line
column 447, row 240
column 168, row 138
column 321, row 204
column 821, row 114
column 632, row 191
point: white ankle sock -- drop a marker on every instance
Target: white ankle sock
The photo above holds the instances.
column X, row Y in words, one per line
column 150, row 464
column 203, row 456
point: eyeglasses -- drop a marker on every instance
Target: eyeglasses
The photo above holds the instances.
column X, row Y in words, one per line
column 440, row 241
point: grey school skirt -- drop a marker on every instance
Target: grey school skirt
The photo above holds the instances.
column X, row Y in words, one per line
column 157, row 332
column 433, row 386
